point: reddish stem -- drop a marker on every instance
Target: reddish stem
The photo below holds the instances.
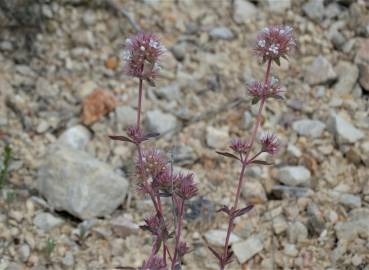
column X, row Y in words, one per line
column 178, row 233
column 245, row 164
column 139, row 104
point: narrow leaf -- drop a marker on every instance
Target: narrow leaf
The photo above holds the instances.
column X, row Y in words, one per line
column 216, row 254
column 120, row 138
column 276, row 97
column 151, row 135
column 261, row 162
column 277, row 61
column 244, row 210
column 227, row 155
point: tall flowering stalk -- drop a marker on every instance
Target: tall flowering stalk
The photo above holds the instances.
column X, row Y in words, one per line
column 272, row 43
column 156, row 177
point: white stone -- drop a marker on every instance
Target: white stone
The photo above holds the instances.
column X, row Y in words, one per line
column 294, row 176
column 218, row 237
column 158, row 121
column 76, row 137
column 126, row 116
column 244, row 11
column 310, row 128
column 245, row 250
column 344, row 131
column 46, row 221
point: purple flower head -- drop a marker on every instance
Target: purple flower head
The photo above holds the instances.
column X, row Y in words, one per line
column 165, row 181
column 185, row 186
column 153, row 164
column 274, row 42
column 141, row 55
column 154, row 263
column 135, row 133
column 271, row 89
column 270, row 143
column 256, row 89
column 183, row 249
column 240, row 146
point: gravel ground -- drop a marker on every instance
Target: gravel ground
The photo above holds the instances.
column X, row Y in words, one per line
column 70, row 201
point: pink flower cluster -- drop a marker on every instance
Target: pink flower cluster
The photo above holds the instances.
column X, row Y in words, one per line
column 274, row 42
column 141, row 54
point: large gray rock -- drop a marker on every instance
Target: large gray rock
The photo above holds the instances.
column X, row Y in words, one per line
column 247, row 249
column 310, row 128
column 244, row 11
column 343, row 130
column 73, row 181
column 278, row 6
column 160, row 122
column 296, row 232
column 169, row 92
column 294, row 176
column 347, row 78
column 320, row 71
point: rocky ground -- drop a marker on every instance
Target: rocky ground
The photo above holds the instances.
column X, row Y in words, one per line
column 62, row 93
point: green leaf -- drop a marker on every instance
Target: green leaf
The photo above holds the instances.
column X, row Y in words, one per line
column 226, row 154
column 276, row 97
column 261, row 162
column 277, row 61
column 255, row 100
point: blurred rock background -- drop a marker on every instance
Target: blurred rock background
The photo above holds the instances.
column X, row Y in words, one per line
column 62, row 91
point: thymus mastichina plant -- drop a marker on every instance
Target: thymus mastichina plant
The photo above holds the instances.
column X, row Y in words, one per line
column 152, row 169
column 272, row 43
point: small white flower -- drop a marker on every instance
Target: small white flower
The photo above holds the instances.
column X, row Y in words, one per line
column 274, row 48
column 154, row 44
column 288, row 29
column 274, row 80
column 156, row 67
column 129, row 41
column 262, row 43
column 142, row 48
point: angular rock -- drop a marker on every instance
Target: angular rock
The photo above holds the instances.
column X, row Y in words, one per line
column 347, row 77
column 76, row 137
column 280, row 224
column 320, row 71
column 217, row 137
column 350, row 200
column 309, row 128
column 245, row 250
column 126, row 116
column 169, row 92
column 46, row 221
column 352, row 229
column 124, row 226
column 291, row 250
column 364, row 76
column 218, row 237
column 221, row 32
column 73, row 181
column 244, row 11
column 254, row 192
column 278, row 6
column 343, row 130
column 296, row 232
column 158, row 121
column 314, row 9
column 24, row 252
column 294, row 176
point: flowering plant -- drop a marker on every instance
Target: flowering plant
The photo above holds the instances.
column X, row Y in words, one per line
column 272, row 43
column 152, row 169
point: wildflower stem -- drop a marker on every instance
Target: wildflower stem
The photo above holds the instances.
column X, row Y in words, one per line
column 245, row 164
column 178, row 233
column 139, row 104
